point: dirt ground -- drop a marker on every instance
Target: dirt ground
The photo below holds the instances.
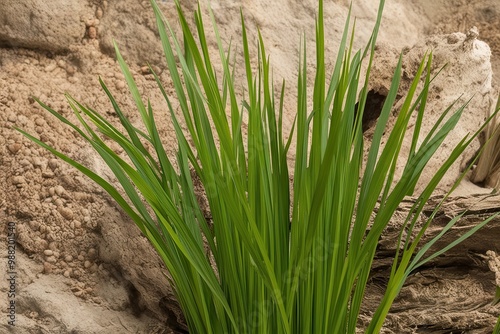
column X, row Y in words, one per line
column 83, row 267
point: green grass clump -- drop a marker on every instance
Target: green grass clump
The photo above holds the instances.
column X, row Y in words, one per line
column 287, row 261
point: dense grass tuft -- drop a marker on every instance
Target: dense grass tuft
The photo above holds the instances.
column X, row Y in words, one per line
column 287, row 261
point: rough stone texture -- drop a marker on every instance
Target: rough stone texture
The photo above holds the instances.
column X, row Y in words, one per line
column 466, row 74
column 140, row 265
column 133, row 26
column 64, row 222
column 460, row 15
column 47, row 25
column 54, row 304
column 453, row 292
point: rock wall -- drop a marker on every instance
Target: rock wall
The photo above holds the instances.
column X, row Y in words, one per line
column 45, row 25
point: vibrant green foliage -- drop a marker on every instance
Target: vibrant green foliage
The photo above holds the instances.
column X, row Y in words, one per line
column 289, row 258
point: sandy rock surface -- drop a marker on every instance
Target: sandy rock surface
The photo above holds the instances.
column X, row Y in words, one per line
column 79, row 257
column 465, row 78
column 45, row 25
